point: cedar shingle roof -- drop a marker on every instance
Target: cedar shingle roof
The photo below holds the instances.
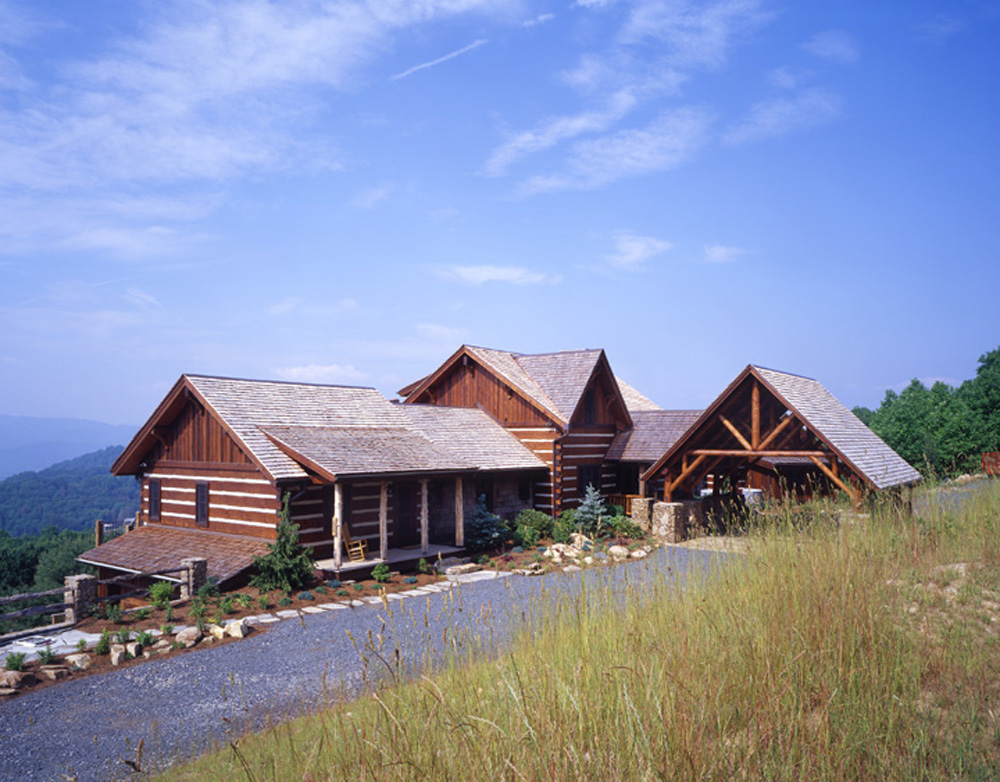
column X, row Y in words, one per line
column 473, row 435
column 250, row 407
column 839, row 427
column 653, row 434
column 158, row 547
column 634, row 400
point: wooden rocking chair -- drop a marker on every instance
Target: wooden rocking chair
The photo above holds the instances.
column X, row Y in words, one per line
column 357, row 550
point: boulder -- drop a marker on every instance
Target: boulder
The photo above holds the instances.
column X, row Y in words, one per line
column 16, row 680
column 461, row 570
column 639, row 554
column 54, row 672
column 80, row 661
column 189, row 636
column 6, row 692
column 618, row 553
column 238, row 629
column 134, row 648
column 118, row 652
column 217, row 631
column 571, row 569
column 161, row 645
column 588, row 560
column 579, row 539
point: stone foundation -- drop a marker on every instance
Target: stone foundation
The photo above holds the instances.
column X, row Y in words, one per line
column 676, row 521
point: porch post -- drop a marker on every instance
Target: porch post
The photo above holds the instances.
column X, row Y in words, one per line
column 383, row 521
column 459, row 513
column 424, row 526
column 338, row 534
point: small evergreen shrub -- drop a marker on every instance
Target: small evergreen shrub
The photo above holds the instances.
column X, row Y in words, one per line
column 624, row 526
column 286, row 566
column 525, row 536
column 410, row 580
column 244, row 601
column 564, row 526
column 142, row 614
column 263, row 603
column 227, row 605
column 144, row 638
column 168, row 612
column 198, row 608
column 46, row 656
column 81, row 645
column 209, row 589
column 423, row 567
column 14, row 661
column 342, row 593
column 285, row 602
column 123, row 636
column 484, row 531
column 103, row 645
column 591, row 515
column 306, row 596
column 536, row 520
column 167, row 629
column 320, row 590
column 358, row 587
column 160, row 593
column 381, row 573
column 113, row 612
column 333, row 583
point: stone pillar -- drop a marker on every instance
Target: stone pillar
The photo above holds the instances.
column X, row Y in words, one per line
column 669, row 521
column 194, row 578
column 80, row 594
column 642, row 511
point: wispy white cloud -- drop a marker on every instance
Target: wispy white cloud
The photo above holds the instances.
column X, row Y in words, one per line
column 941, row 29
column 556, row 130
column 513, row 275
column 632, row 250
column 720, row 253
column 141, row 298
column 834, row 45
column 538, row 20
column 369, row 198
column 669, row 141
column 430, row 64
column 779, row 116
column 323, row 373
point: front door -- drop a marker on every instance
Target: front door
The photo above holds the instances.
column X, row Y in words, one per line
column 406, row 522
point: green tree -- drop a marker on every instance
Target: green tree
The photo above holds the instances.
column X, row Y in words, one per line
column 286, row 565
column 591, row 513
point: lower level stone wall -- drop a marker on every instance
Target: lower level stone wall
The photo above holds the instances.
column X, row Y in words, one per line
column 677, row 521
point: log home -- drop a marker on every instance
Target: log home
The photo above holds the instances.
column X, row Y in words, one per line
column 782, row 434
column 217, row 456
column 567, row 407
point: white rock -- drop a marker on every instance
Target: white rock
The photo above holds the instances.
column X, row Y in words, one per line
column 217, row 632
column 639, row 554
column 81, row 661
column 618, row 553
column 189, row 636
column 238, row 629
column 118, row 653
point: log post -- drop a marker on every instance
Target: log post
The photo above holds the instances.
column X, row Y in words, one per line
column 338, row 533
column 383, row 521
column 424, row 521
column 98, row 532
column 459, row 512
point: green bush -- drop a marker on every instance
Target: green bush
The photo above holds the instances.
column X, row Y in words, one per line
column 242, row 600
column 286, row 566
column 484, row 531
column 46, row 656
column 306, row 596
column 142, row 614
column 536, row 520
column 14, row 661
column 263, row 603
column 381, row 573
column 423, row 567
column 198, row 608
column 624, row 526
column 591, row 515
column 123, row 636
column 285, row 602
column 526, row 537
column 563, row 526
column 227, row 605
column 160, row 593
column 209, row 589
column 144, row 638
column 167, row 629
column 113, row 612
column 81, row 645
column 103, row 645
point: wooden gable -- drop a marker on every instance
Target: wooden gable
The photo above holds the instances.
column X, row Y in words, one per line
column 465, row 381
column 750, row 427
column 602, row 403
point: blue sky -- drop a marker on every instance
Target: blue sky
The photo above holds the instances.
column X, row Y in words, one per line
column 345, row 192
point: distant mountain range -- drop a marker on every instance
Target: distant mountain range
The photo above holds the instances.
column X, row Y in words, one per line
column 72, row 495
column 36, row 443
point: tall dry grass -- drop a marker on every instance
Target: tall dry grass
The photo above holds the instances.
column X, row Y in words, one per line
column 825, row 653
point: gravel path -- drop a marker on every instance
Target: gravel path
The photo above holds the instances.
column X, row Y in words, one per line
column 86, row 729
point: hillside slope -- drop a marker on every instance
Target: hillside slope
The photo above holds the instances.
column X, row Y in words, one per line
column 28, row 443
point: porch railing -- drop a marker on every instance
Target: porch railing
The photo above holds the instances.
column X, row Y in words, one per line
column 623, row 501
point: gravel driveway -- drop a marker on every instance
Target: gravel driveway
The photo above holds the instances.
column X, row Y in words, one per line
column 85, row 729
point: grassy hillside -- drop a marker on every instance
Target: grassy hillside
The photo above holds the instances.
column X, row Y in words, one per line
column 69, row 495
column 842, row 647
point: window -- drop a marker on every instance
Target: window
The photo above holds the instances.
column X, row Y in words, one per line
column 154, row 500
column 589, row 407
column 201, row 504
column 587, row 475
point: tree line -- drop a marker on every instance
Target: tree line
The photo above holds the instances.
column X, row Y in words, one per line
column 942, row 430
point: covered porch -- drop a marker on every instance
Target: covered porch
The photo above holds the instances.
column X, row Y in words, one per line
column 404, row 558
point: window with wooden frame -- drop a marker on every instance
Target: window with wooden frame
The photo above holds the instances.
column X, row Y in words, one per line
column 154, row 500
column 201, row 504
column 590, row 407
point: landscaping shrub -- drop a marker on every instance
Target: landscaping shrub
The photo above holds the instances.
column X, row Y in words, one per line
column 209, row 589
column 287, row 565
column 381, row 573
column 144, row 638
column 103, row 645
column 14, row 661
column 243, row 601
column 423, row 567
column 563, row 526
column 46, row 656
column 591, row 514
column 624, row 526
column 306, row 596
column 113, row 612
column 333, row 583
column 141, row 614
column 536, row 520
column 227, row 605
column 263, row 603
column 285, row 602
column 410, row 580
column 123, row 636
column 484, row 531
column 160, row 593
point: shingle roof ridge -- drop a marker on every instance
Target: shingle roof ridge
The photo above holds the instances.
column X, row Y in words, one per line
column 557, row 352
column 199, row 376
column 783, row 372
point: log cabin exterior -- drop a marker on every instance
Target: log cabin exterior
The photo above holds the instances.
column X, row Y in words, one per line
column 783, row 434
column 566, row 407
column 218, row 455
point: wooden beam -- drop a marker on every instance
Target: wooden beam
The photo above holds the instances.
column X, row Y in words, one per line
column 849, row 491
column 424, row 525
column 773, row 434
column 383, row 520
column 685, row 472
column 459, row 512
column 757, row 454
column 755, row 416
column 736, row 433
column 338, row 534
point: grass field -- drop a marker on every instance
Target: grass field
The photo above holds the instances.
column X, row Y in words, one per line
column 841, row 647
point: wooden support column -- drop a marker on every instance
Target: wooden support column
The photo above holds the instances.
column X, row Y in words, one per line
column 755, row 416
column 383, row 521
column 338, row 534
column 424, row 521
column 459, row 512
column 848, row 490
